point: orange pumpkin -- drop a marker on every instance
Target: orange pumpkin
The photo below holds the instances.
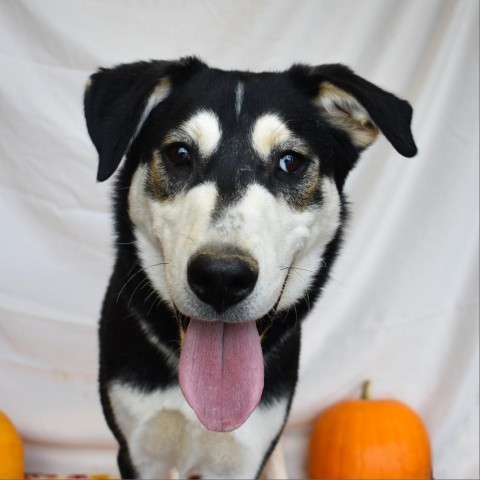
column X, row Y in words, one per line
column 369, row 439
column 11, row 450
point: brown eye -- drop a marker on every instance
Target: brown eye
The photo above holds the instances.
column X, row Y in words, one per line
column 178, row 154
column 290, row 162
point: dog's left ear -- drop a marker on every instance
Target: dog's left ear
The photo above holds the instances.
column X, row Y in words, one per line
column 357, row 107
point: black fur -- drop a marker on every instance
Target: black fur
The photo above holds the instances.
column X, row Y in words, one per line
column 114, row 103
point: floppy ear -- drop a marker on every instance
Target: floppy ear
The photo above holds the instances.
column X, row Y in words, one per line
column 357, row 106
column 118, row 101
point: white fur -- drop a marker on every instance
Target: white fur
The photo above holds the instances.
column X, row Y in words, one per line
column 163, row 432
column 276, row 235
column 169, row 354
column 309, row 257
column 239, row 98
column 169, row 232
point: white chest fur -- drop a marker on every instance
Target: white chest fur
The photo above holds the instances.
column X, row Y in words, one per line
column 162, row 432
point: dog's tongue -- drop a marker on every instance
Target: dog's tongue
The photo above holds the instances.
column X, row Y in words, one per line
column 221, row 372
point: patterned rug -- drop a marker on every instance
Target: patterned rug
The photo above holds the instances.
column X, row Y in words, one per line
column 93, row 476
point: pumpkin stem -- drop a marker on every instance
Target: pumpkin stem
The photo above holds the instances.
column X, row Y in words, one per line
column 365, row 390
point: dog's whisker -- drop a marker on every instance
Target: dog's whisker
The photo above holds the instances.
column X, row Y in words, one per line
column 156, row 265
column 128, row 281
column 188, row 237
column 337, row 281
column 142, row 282
column 296, row 314
column 298, row 268
column 134, row 264
column 286, row 315
column 153, row 292
column 307, row 301
column 156, row 302
column 141, row 269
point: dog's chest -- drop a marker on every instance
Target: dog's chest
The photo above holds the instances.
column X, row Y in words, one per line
column 162, row 432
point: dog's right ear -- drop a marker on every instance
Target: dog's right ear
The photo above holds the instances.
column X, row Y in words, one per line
column 118, row 101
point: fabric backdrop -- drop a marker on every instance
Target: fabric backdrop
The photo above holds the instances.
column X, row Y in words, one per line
column 402, row 308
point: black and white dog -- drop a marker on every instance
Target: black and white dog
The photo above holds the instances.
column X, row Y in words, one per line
column 229, row 211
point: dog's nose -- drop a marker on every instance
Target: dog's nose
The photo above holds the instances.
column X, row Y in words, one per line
column 222, row 278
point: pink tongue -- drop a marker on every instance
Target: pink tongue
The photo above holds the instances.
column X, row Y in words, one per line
column 221, row 372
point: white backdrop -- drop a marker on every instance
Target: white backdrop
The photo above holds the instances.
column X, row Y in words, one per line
column 402, row 309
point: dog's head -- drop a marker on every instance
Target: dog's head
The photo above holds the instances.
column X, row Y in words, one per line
column 236, row 178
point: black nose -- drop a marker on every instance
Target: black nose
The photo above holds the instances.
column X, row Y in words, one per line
column 223, row 277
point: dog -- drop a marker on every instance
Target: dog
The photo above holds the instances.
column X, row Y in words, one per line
column 228, row 211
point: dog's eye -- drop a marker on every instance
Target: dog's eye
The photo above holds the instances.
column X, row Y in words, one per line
column 178, row 154
column 290, row 162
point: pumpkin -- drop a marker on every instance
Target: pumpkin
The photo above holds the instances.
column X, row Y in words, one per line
column 11, row 450
column 374, row 439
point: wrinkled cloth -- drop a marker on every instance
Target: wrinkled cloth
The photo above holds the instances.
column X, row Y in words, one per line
column 402, row 306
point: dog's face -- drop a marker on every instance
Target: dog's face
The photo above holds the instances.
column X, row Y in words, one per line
column 237, row 188
column 234, row 188
column 234, row 194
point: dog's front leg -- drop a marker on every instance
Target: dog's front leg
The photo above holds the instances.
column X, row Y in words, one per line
column 275, row 468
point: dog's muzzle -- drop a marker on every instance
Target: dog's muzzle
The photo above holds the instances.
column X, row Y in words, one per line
column 221, row 369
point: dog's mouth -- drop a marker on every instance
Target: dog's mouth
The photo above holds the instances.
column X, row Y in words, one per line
column 263, row 324
column 221, row 370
